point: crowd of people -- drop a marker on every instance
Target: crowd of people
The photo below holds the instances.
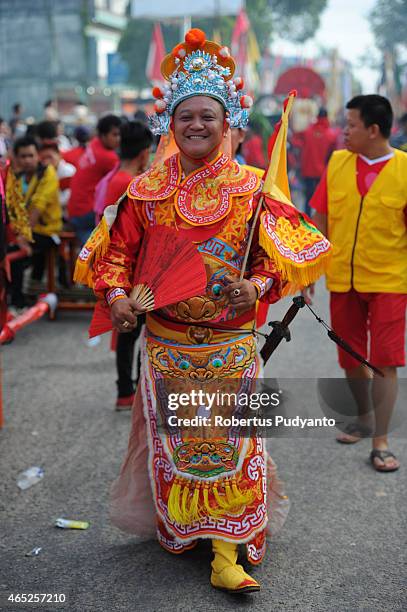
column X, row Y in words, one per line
column 181, row 482
column 53, row 184
column 50, row 182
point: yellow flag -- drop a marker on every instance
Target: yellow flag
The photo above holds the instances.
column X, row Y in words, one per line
column 253, row 53
column 276, row 184
column 299, row 250
column 253, row 58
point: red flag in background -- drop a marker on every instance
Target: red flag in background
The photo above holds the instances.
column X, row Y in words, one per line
column 239, row 42
column 156, row 54
column 246, row 52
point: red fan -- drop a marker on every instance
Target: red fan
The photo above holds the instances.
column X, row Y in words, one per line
column 169, row 269
column 101, row 321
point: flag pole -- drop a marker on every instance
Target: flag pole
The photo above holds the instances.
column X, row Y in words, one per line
column 185, row 25
column 250, row 239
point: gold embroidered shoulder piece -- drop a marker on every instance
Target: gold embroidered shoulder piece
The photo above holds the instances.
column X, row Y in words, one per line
column 205, row 196
column 158, row 183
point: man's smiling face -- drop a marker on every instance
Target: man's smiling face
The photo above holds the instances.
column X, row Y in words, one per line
column 199, row 126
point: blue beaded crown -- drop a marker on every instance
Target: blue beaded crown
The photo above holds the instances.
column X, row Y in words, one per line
column 199, row 68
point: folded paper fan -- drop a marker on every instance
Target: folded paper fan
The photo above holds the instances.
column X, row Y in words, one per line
column 169, row 269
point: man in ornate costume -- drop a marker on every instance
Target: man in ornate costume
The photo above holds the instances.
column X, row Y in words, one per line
column 203, row 482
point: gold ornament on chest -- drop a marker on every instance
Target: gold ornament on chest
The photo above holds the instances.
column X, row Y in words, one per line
column 199, row 308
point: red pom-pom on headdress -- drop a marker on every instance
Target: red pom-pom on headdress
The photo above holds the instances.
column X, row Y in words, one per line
column 195, row 38
column 224, row 52
column 239, row 82
column 160, row 106
column 246, row 101
column 157, row 92
column 179, row 51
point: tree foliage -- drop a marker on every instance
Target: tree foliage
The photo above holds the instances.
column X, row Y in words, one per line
column 134, row 45
column 295, row 20
column 389, row 23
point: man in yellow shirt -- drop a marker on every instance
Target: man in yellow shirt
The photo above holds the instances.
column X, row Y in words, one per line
column 32, row 196
column 361, row 205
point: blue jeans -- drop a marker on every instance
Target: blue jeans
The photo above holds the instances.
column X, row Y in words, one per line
column 83, row 226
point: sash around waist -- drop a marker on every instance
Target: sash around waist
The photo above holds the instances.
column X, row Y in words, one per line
column 198, row 335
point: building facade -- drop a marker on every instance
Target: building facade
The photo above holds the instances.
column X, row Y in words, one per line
column 55, row 49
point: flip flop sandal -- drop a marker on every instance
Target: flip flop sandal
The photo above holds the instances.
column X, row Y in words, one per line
column 355, row 429
column 382, row 455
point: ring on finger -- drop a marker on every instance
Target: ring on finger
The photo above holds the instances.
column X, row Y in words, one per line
column 126, row 324
column 236, row 292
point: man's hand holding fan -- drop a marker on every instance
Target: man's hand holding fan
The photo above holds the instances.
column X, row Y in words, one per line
column 169, row 269
column 123, row 314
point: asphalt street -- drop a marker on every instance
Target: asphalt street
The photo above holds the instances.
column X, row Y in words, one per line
column 342, row 549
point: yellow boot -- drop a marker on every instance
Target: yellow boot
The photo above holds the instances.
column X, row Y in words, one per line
column 226, row 575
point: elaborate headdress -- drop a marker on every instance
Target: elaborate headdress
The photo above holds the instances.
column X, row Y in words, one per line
column 199, row 67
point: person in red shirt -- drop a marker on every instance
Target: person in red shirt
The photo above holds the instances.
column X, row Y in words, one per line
column 319, row 140
column 97, row 160
column 252, row 148
column 135, row 148
column 82, row 136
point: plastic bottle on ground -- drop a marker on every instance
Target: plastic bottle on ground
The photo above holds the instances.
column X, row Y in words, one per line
column 30, row 477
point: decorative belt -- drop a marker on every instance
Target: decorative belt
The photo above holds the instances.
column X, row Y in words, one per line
column 184, row 324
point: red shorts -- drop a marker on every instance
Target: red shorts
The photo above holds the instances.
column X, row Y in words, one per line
column 378, row 317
